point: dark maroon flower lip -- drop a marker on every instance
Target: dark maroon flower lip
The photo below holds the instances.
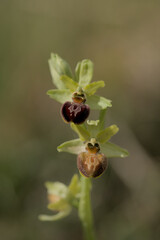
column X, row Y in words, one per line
column 66, row 117
column 75, row 112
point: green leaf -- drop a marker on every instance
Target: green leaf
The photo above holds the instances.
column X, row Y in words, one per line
column 69, row 83
column 97, row 102
column 60, row 95
column 55, row 217
column 57, row 188
column 75, row 146
column 81, row 131
column 58, row 67
column 75, row 186
column 107, row 133
column 91, row 88
column 111, row 150
column 84, row 72
column 92, row 127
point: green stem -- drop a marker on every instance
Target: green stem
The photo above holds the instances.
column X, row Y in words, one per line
column 85, row 211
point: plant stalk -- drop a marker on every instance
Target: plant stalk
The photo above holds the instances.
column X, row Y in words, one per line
column 85, row 210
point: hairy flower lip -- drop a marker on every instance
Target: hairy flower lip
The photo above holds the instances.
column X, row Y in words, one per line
column 91, row 164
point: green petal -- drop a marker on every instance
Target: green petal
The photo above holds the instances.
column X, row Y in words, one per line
column 57, row 188
column 111, row 150
column 107, row 133
column 58, row 67
column 55, row 217
column 60, row 95
column 69, row 83
column 91, row 88
column 97, row 102
column 75, row 146
column 81, row 131
column 84, row 72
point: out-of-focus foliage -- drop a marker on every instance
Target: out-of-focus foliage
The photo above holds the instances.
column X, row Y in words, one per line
column 122, row 39
column 62, row 198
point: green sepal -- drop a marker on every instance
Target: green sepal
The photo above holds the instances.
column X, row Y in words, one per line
column 83, row 134
column 84, row 72
column 92, row 126
column 97, row 102
column 75, row 146
column 55, row 217
column 58, row 67
column 91, row 88
column 107, row 133
column 69, row 83
column 111, row 150
column 56, row 188
column 60, row 95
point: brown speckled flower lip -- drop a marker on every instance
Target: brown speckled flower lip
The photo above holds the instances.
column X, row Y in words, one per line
column 91, row 164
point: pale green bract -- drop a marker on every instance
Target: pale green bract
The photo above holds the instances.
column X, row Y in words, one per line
column 75, row 186
column 102, row 115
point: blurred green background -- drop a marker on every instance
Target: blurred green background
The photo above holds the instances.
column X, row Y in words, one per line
column 122, row 38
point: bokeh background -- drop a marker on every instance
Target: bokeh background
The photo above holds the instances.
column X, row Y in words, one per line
column 122, row 38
